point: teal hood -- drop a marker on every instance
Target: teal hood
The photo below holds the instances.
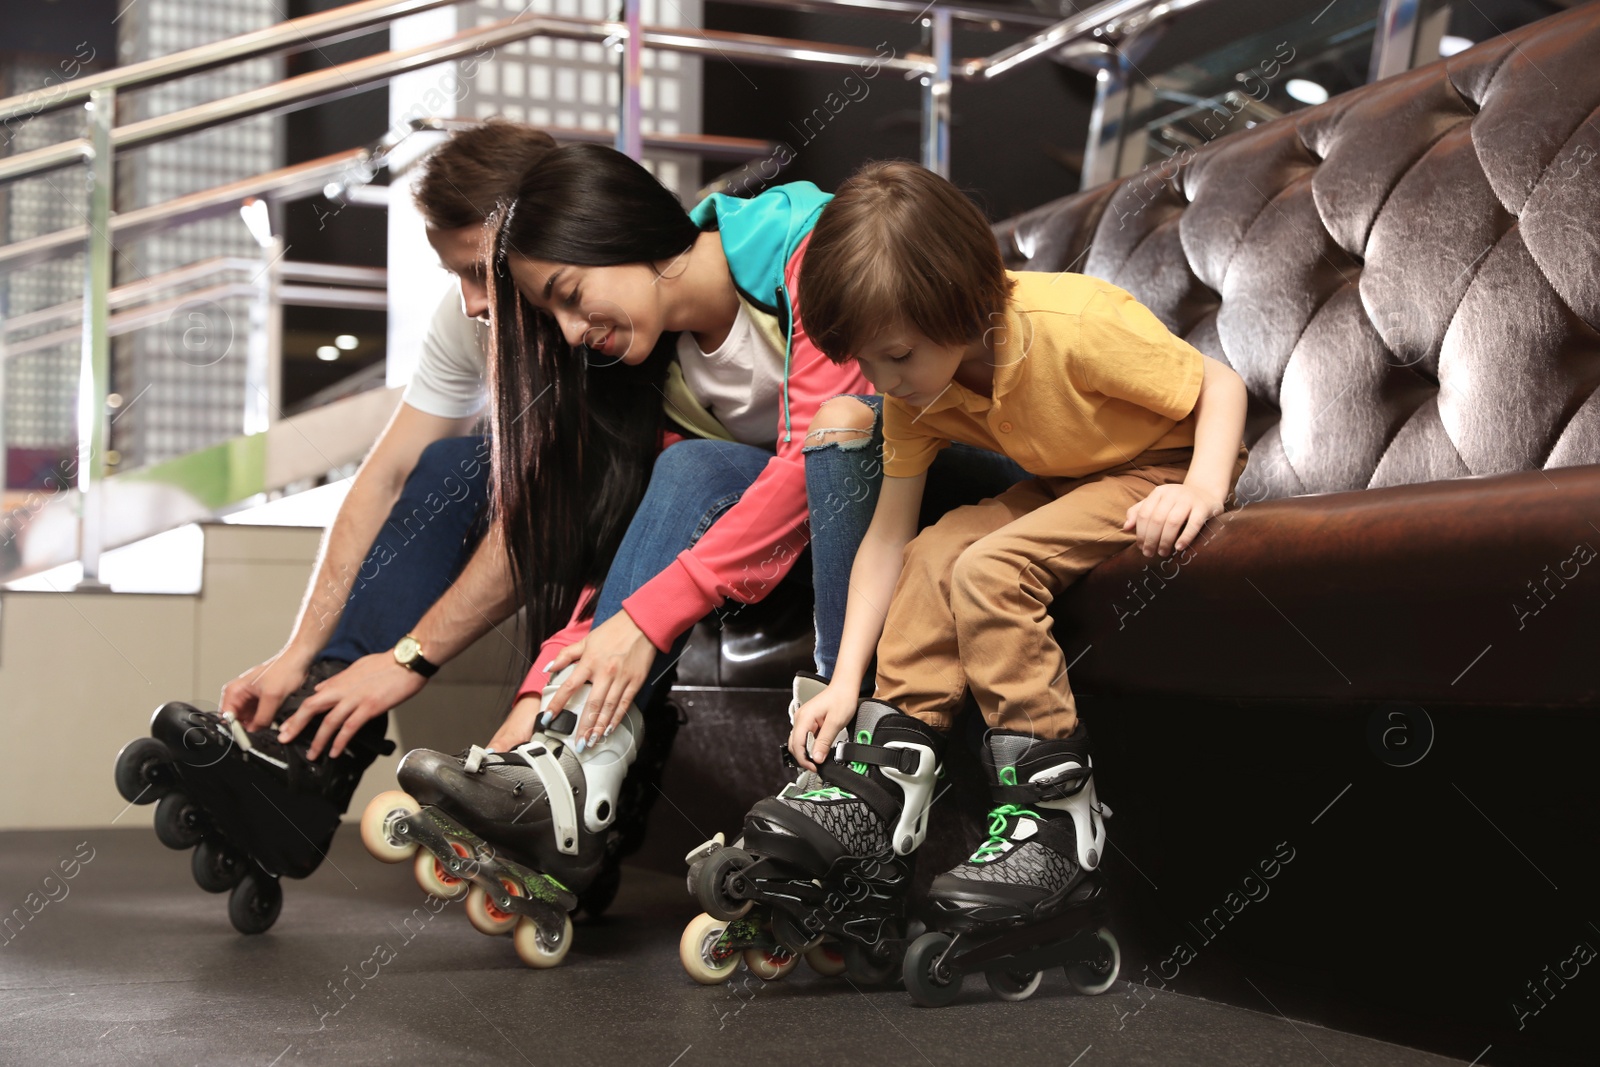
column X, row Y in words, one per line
column 759, row 236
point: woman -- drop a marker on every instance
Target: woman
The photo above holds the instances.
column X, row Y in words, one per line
column 653, row 393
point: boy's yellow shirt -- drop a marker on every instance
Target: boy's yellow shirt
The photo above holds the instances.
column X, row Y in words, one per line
column 1085, row 378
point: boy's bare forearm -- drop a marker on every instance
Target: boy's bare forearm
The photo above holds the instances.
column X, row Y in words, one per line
column 872, row 580
column 1219, row 428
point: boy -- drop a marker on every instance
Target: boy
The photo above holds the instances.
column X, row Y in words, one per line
column 1132, row 435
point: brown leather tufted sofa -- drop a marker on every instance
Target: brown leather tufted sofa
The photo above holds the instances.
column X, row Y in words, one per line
column 1408, row 280
column 1383, row 657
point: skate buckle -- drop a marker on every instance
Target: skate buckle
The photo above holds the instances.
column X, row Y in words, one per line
column 240, row 738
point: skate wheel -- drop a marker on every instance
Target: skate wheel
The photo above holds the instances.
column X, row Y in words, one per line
column 866, row 965
column 144, row 771
column 826, row 959
column 1096, row 975
column 216, row 867
column 178, row 821
column 711, row 884
column 931, row 983
column 699, row 953
column 486, row 916
column 377, row 826
column 770, row 964
column 791, row 935
column 255, row 903
column 534, row 946
column 435, row 880
column 1010, row 985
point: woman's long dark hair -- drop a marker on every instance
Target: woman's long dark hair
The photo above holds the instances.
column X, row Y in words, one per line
column 574, row 434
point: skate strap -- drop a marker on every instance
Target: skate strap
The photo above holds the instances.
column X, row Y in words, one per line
column 1067, row 784
column 564, row 723
column 904, row 760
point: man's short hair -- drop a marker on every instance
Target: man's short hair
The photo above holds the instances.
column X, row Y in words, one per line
column 899, row 245
column 463, row 179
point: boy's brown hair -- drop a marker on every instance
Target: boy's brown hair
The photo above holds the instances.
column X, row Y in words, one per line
column 465, row 177
column 899, row 245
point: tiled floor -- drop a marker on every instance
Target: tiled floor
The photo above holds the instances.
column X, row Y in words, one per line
column 129, row 963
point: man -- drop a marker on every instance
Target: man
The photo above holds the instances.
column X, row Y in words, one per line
column 409, row 533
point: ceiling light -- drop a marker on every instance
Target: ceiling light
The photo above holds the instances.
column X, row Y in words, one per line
column 346, row 341
column 327, row 353
column 1307, row 92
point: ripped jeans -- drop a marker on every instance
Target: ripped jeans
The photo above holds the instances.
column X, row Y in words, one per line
column 844, row 471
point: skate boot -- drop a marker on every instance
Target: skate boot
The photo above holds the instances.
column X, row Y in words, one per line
column 1029, row 897
column 253, row 809
column 519, row 834
column 828, row 860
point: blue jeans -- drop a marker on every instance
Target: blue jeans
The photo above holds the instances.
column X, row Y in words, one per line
column 695, row 482
column 432, row 530
column 842, row 483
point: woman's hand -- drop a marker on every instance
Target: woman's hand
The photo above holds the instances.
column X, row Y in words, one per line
column 1170, row 516
column 615, row 659
column 518, row 727
column 352, row 698
column 824, row 715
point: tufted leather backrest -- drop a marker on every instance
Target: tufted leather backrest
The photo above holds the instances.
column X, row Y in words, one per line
column 1407, row 277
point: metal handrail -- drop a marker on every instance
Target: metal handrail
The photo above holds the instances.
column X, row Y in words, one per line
column 362, row 293
column 327, row 27
column 992, row 19
column 316, row 176
column 138, row 291
column 305, row 32
column 334, row 83
column 1111, row 21
column 936, row 72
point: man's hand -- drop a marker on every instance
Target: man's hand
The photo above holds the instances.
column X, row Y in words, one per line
column 518, row 727
column 824, row 715
column 616, row 659
column 255, row 696
column 1170, row 516
column 352, row 698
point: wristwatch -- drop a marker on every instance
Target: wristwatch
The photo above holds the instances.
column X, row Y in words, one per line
column 408, row 653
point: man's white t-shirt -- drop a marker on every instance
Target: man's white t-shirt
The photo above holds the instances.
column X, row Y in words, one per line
column 449, row 380
column 740, row 383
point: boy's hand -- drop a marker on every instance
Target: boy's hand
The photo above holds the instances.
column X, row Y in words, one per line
column 824, row 715
column 1169, row 517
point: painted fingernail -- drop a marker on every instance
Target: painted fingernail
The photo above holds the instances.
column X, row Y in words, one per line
column 544, row 720
column 580, row 745
column 613, row 726
column 548, row 667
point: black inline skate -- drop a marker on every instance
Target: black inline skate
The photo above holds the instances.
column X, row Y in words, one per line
column 519, row 834
column 827, row 862
column 253, row 809
column 1030, row 897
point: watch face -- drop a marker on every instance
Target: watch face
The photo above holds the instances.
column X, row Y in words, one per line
column 407, row 649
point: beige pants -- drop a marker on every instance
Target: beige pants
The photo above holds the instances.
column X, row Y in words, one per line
column 972, row 606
